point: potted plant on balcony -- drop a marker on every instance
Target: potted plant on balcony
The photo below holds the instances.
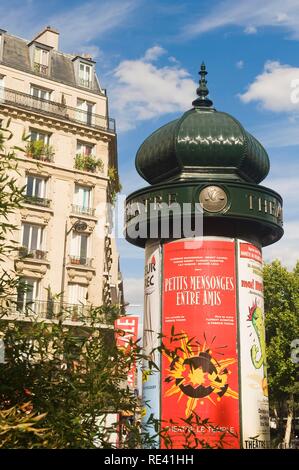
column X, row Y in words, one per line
column 34, row 149
column 48, row 152
column 23, row 251
column 88, row 163
column 40, row 254
column 38, row 150
column 115, row 186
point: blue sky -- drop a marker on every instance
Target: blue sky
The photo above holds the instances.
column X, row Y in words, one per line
column 148, row 55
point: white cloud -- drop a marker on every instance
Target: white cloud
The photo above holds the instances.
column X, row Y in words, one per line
column 153, row 53
column 133, row 291
column 250, row 30
column 287, row 249
column 143, row 91
column 79, row 26
column 173, row 60
column 287, row 187
column 282, row 132
column 19, row 18
column 91, row 20
column 240, row 64
column 249, row 15
column 276, row 88
column 94, row 51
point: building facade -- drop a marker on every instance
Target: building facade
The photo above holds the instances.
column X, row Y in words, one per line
column 68, row 166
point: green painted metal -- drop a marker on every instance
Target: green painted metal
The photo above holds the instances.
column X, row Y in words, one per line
column 202, row 91
column 252, row 212
column 202, row 142
column 206, row 148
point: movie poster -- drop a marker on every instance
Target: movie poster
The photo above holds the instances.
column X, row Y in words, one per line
column 254, row 402
column 151, row 335
column 200, row 363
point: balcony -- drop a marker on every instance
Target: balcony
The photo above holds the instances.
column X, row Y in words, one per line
column 37, row 201
column 49, row 310
column 81, row 210
column 78, row 260
column 57, row 110
column 40, row 68
column 24, row 252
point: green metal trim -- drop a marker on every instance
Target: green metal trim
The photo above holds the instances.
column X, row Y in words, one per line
column 246, row 204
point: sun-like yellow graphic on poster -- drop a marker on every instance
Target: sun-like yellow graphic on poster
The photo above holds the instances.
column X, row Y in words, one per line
column 194, row 373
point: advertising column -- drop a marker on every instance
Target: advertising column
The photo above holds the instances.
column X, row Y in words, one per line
column 255, row 406
column 199, row 324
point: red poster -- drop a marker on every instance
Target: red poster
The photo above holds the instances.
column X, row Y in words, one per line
column 200, row 365
column 126, row 333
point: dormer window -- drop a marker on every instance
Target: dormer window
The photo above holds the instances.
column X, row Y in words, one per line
column 85, row 75
column 84, row 71
column 41, row 60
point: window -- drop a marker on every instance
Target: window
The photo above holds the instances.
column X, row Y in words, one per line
column 85, row 112
column 41, row 60
column 41, row 93
column 85, row 149
column 38, row 135
column 77, row 294
column 80, row 245
column 35, row 186
column 32, row 237
column 82, row 197
column 85, row 75
column 28, row 294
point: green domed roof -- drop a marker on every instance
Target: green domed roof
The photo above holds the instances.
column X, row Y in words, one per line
column 202, row 142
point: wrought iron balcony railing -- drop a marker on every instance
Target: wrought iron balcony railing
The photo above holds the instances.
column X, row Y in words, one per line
column 37, row 201
column 85, row 82
column 58, row 110
column 50, row 309
column 18, row 308
column 40, row 68
column 80, row 260
column 81, row 210
column 25, row 252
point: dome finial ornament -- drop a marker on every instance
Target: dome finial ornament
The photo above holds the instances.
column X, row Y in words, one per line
column 202, row 91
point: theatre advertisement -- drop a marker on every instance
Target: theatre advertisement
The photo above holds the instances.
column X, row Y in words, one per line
column 199, row 360
column 152, row 331
column 255, row 407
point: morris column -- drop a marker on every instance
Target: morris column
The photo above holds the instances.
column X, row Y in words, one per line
column 203, row 222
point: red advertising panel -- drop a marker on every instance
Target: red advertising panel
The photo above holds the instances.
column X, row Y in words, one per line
column 127, row 332
column 200, row 365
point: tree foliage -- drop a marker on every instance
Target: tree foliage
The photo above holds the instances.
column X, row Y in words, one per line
column 282, row 327
column 11, row 198
column 72, row 376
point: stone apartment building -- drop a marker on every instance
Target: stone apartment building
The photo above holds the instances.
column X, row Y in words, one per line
column 69, row 168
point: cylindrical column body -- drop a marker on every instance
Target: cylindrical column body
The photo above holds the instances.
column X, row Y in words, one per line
column 205, row 295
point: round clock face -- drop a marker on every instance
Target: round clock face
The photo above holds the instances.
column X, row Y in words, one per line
column 213, row 199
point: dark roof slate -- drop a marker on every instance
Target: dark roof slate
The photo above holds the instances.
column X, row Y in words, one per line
column 16, row 55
